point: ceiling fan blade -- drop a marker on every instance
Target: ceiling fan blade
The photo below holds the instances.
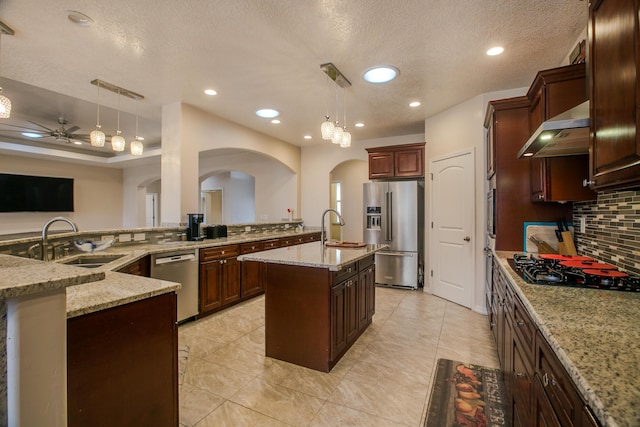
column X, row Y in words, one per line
column 72, row 129
column 39, row 125
column 24, row 128
column 79, row 135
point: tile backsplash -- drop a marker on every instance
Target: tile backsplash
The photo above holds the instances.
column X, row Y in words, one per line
column 612, row 232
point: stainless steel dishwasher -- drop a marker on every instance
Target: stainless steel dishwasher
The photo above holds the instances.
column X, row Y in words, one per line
column 181, row 267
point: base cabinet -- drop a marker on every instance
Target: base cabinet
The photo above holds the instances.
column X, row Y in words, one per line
column 219, row 277
column 251, row 272
column 122, row 365
column 539, row 390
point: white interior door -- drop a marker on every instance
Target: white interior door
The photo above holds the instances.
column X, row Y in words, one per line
column 151, row 212
column 452, row 258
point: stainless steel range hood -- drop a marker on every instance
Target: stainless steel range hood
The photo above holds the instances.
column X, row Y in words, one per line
column 563, row 135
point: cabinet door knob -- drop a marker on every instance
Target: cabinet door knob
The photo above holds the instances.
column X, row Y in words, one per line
column 519, row 374
column 467, row 239
column 545, row 379
column 520, row 323
column 587, row 182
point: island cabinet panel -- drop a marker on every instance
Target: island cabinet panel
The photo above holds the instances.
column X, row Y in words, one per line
column 297, row 315
column 122, row 365
column 614, row 60
column 339, row 308
column 366, row 293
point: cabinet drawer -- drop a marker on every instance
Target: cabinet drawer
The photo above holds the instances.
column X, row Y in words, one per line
column 247, row 248
column 365, row 262
column 287, row 241
column 271, row 244
column 348, row 270
column 557, row 385
column 524, row 327
column 218, row 252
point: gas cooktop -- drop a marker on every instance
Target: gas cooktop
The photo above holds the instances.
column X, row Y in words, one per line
column 571, row 270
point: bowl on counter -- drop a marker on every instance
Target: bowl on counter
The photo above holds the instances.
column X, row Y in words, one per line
column 91, row 246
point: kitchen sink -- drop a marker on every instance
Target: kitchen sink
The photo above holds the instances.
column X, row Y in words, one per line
column 92, row 261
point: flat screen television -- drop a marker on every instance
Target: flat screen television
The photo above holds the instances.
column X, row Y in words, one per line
column 24, row 193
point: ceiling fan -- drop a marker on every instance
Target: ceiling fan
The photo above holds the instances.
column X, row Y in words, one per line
column 61, row 134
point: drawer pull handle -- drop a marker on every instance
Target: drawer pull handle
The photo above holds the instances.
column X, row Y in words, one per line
column 492, row 324
column 545, row 379
column 520, row 323
column 519, row 374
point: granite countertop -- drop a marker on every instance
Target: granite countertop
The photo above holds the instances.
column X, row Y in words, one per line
column 103, row 287
column 596, row 335
column 313, row 254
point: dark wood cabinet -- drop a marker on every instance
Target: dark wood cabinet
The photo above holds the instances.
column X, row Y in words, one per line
column 508, row 121
column 219, row 277
column 398, row 161
column 539, row 390
column 614, row 45
column 558, row 179
column 251, row 272
column 366, row 293
column 141, row 267
column 122, row 365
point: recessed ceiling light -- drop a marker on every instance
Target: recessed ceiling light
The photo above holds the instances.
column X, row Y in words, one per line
column 414, row 104
column 495, row 51
column 79, row 18
column 359, row 125
column 307, row 137
column 210, row 92
column 381, row 74
column 267, row 113
column 275, row 121
column 31, row 135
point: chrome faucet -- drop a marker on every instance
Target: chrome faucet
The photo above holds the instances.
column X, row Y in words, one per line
column 45, row 234
column 322, row 229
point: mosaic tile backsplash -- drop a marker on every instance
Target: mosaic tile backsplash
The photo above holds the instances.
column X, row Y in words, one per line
column 612, row 232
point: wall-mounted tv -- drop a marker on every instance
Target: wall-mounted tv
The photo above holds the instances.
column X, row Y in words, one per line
column 23, row 193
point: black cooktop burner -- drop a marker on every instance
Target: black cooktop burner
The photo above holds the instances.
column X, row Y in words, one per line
column 557, row 271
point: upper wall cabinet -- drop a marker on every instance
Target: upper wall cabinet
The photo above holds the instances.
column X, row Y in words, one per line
column 614, row 45
column 397, row 161
column 558, row 179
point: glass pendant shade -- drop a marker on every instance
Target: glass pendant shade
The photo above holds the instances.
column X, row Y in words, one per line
column 97, row 137
column 336, row 138
column 136, row 147
column 117, row 142
column 327, row 129
column 5, row 106
column 346, row 139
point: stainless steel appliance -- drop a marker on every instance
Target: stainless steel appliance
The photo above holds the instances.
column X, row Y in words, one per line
column 572, row 270
column 394, row 215
column 181, row 267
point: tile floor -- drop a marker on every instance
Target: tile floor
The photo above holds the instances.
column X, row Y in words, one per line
column 383, row 380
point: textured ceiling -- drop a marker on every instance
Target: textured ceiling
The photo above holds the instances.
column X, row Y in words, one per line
column 267, row 53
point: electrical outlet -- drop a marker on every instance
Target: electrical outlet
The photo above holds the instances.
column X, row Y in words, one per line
column 583, row 224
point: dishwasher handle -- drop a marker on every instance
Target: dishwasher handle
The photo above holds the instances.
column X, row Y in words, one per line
column 175, row 258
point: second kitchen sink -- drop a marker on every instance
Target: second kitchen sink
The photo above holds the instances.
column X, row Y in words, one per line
column 92, row 261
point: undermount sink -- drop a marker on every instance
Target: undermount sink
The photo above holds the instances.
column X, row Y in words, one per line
column 92, row 261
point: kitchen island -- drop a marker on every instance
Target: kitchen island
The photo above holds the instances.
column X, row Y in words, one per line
column 595, row 336
column 318, row 301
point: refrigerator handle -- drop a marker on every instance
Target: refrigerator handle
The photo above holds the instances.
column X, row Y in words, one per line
column 389, row 195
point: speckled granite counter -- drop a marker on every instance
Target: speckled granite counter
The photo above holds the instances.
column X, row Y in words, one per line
column 313, row 255
column 596, row 336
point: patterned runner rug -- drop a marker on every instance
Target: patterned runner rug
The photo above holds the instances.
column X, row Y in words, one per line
column 466, row 395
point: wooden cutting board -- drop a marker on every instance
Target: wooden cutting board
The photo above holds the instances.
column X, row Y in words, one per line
column 345, row 244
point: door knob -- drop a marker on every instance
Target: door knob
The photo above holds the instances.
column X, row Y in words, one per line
column 467, row 239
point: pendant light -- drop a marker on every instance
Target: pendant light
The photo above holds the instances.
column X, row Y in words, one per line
column 136, row 146
column 345, row 142
column 5, row 103
column 336, row 138
column 117, row 141
column 96, row 136
column 327, row 126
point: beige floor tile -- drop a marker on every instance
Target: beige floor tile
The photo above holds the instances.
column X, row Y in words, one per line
column 215, row 378
column 332, row 415
column 309, row 381
column 195, row 404
column 368, row 373
column 279, row 402
column 409, row 345
column 392, row 402
column 231, row 414
column 253, row 341
column 234, row 357
column 397, row 359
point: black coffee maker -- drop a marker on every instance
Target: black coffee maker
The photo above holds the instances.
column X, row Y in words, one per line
column 193, row 226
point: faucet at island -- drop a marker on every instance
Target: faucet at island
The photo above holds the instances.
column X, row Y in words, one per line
column 322, row 230
column 45, row 234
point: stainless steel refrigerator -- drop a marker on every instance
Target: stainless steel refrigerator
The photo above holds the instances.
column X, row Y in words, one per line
column 394, row 215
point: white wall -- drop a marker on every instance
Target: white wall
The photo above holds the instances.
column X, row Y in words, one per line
column 238, row 191
column 458, row 128
column 351, row 175
column 97, row 195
